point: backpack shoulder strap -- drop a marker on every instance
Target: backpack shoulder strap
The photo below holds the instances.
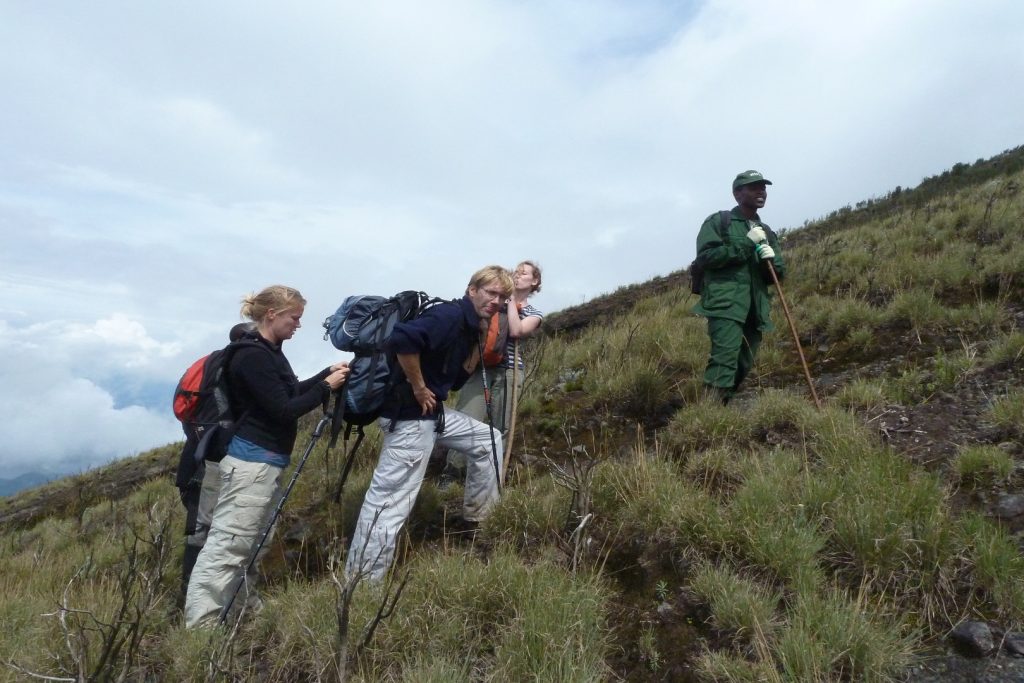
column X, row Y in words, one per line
column 724, row 219
column 230, row 350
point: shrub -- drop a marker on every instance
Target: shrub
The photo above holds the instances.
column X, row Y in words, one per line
column 830, row 638
column 771, row 526
column 951, row 369
column 917, row 308
column 529, row 514
column 717, row 665
column 862, row 394
column 706, row 424
column 1006, row 348
column 740, row 606
column 1008, row 411
column 890, row 520
column 981, row 465
column 913, row 385
column 997, row 566
column 646, row 498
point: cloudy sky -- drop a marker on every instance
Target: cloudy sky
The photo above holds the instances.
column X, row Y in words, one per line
column 160, row 160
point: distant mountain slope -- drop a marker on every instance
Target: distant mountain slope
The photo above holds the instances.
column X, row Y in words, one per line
column 22, row 482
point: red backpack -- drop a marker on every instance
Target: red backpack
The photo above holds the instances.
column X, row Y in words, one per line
column 496, row 343
column 202, row 405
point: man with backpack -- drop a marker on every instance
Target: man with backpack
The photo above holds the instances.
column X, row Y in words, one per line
column 735, row 252
column 436, row 352
column 502, row 367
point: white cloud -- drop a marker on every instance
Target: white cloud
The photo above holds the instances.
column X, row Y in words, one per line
column 55, row 418
column 159, row 164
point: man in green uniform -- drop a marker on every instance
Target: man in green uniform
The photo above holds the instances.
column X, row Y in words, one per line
column 735, row 296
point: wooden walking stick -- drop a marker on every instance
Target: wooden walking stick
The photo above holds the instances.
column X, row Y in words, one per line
column 512, row 420
column 796, row 337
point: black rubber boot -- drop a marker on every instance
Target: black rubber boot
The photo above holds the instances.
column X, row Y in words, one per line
column 188, row 561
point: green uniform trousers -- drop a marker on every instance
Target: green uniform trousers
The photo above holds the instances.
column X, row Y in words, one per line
column 733, row 347
column 471, row 402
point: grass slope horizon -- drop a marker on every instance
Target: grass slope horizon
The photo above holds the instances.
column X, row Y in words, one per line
column 644, row 534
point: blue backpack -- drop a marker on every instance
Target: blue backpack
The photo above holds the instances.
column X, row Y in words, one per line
column 362, row 325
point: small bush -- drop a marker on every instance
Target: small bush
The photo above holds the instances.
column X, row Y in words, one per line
column 849, row 315
column 782, row 411
column 706, row 424
column 830, row 638
column 952, row 368
column 770, row 523
column 646, row 498
column 918, row 309
column 982, row 465
column 864, row 338
column 639, row 390
column 1007, row 348
column 1008, row 411
column 862, row 394
column 738, row 605
column 890, row 520
column 716, row 471
column 528, row 514
column 913, row 385
column 998, row 567
column 718, row 665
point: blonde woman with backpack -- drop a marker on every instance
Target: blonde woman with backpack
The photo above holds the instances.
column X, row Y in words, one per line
column 270, row 398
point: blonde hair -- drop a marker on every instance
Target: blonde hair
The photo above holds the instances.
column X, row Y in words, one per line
column 492, row 274
column 536, row 273
column 275, row 297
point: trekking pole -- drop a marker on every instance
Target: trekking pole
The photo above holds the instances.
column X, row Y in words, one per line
column 512, row 420
column 338, row 419
column 796, row 337
column 350, row 456
column 317, row 432
column 490, row 417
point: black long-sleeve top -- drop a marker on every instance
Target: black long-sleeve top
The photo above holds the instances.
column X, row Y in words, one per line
column 266, row 391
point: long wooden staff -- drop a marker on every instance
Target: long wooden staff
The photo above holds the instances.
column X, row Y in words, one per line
column 796, row 337
column 512, row 421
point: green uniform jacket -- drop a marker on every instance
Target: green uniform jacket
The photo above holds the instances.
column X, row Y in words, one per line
column 733, row 278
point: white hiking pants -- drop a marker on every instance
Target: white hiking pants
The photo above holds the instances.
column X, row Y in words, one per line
column 247, row 495
column 396, row 483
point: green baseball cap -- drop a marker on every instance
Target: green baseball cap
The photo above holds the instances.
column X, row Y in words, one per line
column 748, row 177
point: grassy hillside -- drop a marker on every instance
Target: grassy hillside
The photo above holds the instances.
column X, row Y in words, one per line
column 645, row 534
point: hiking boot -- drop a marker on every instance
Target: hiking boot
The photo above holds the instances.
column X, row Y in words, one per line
column 460, row 526
column 253, row 604
column 450, row 475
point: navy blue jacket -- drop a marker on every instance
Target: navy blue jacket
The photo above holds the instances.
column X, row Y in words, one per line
column 264, row 388
column 443, row 337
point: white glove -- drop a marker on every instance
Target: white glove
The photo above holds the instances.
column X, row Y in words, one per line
column 764, row 251
column 756, row 235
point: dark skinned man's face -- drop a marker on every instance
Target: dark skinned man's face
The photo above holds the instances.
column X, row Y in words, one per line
column 751, row 196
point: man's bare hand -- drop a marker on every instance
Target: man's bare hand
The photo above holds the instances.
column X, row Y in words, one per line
column 426, row 398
